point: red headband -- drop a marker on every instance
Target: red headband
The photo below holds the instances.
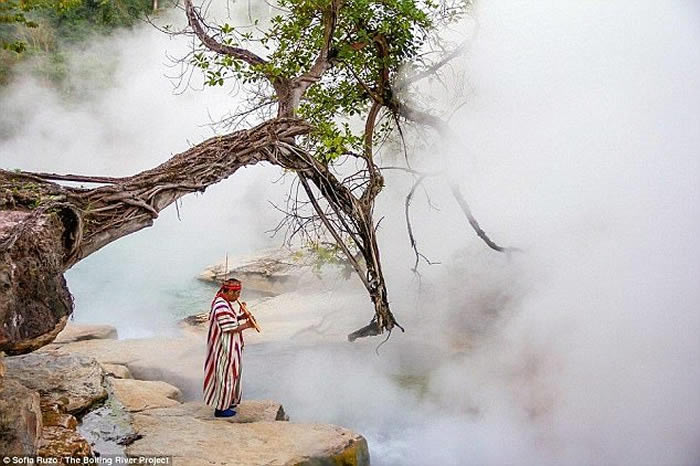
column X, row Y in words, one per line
column 231, row 286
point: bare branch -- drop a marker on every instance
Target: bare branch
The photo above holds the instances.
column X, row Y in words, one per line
column 196, row 23
column 409, row 227
column 474, row 224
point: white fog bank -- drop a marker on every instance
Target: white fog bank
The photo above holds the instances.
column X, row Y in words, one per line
column 579, row 143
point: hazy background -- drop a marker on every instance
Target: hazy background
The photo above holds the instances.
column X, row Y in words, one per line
column 578, row 143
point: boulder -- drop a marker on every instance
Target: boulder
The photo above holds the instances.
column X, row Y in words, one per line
column 192, row 441
column 20, row 419
column 198, row 321
column 70, row 380
column 80, row 332
column 117, row 371
column 138, row 395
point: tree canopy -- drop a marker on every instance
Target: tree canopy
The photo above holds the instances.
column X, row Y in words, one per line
column 325, row 81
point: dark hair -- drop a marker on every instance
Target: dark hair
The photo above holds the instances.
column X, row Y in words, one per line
column 230, row 284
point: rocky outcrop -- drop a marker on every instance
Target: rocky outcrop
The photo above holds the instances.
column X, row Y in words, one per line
column 20, row 419
column 63, row 385
column 139, row 395
column 271, row 272
column 148, row 417
column 80, row 332
column 73, row 381
column 194, row 437
column 146, row 359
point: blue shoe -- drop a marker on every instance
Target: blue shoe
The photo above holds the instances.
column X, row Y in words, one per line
column 224, row 413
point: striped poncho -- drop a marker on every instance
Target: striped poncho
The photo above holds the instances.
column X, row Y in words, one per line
column 222, row 367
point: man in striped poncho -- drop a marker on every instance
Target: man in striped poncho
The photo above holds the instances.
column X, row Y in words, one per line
column 222, row 368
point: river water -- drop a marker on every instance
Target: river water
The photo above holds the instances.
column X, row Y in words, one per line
column 318, row 377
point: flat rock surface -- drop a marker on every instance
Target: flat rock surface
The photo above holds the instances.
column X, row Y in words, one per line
column 79, row 332
column 70, row 380
column 247, row 411
column 138, row 395
column 192, row 441
column 148, row 358
column 124, row 352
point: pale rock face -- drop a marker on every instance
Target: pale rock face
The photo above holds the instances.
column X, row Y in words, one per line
column 62, row 384
column 189, row 432
column 117, row 371
column 79, row 332
column 20, row 419
column 70, row 380
column 247, row 411
column 126, row 352
column 193, row 441
column 139, row 395
column 270, row 272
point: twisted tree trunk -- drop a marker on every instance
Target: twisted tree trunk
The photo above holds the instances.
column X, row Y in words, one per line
column 46, row 228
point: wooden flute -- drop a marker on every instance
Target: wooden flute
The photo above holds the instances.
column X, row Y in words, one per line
column 249, row 316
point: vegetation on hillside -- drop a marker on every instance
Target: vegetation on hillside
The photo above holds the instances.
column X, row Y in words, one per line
column 42, row 29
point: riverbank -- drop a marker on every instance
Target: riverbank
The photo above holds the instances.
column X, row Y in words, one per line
column 89, row 393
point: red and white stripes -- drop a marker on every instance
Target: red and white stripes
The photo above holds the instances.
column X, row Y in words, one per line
column 222, row 367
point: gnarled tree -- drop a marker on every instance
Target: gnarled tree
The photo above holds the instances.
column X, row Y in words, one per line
column 328, row 74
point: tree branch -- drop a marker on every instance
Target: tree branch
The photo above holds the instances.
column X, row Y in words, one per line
column 212, row 44
column 432, row 70
column 474, row 224
column 323, row 61
column 409, row 227
column 442, row 128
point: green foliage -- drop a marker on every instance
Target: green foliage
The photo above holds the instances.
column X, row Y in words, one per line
column 372, row 39
column 319, row 254
column 39, row 28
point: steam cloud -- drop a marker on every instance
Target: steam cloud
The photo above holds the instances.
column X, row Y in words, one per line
column 580, row 145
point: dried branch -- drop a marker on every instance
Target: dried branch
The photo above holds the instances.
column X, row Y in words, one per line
column 474, row 224
column 409, row 226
